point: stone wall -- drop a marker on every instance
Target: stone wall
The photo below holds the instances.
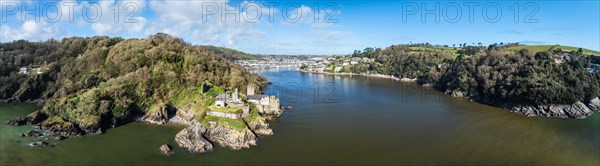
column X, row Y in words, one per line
column 224, row 115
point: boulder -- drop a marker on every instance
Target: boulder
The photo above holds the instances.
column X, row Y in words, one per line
column 39, row 143
column 166, row 150
column 33, row 133
column 191, row 139
column 18, row 121
column 59, row 138
column 36, row 117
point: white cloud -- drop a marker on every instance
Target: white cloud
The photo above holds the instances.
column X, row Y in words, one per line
column 315, row 18
column 30, row 30
column 204, row 22
column 116, row 20
column 191, row 20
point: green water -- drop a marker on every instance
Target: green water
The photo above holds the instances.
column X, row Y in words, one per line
column 365, row 121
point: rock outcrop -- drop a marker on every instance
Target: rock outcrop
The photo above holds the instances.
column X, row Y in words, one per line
column 33, row 118
column 32, row 133
column 57, row 126
column 166, row 150
column 259, row 126
column 191, row 139
column 159, row 115
column 231, row 138
column 185, row 117
column 578, row 110
column 39, row 143
column 457, row 93
column 18, row 121
column 594, row 104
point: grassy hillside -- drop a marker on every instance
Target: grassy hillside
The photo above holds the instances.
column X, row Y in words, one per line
column 539, row 48
column 100, row 81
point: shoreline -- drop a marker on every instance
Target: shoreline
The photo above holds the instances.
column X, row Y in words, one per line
column 578, row 110
column 412, row 80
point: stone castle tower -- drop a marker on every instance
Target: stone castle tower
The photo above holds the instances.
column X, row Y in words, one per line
column 250, row 90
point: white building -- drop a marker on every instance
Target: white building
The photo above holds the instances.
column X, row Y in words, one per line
column 338, row 69
column 220, row 103
column 23, row 70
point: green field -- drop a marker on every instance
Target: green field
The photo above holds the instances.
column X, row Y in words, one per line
column 225, row 109
column 435, row 49
column 539, row 48
column 227, row 122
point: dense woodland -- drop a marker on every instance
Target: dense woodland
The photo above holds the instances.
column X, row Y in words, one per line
column 85, row 80
column 491, row 74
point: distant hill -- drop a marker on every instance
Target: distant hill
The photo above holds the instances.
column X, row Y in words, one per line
column 539, row 48
column 230, row 54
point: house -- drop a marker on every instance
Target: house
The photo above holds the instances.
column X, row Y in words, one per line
column 250, row 90
column 315, row 59
column 220, row 103
column 338, row 69
column 592, row 70
column 562, row 58
column 353, row 62
column 255, row 98
column 229, row 105
column 264, row 103
column 223, row 96
column 23, row 70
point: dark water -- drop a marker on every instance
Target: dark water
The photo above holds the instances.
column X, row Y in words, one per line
column 342, row 120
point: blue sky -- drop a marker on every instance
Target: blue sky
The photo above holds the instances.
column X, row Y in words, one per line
column 309, row 27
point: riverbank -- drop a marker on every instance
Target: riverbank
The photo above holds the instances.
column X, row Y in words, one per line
column 578, row 110
column 413, row 80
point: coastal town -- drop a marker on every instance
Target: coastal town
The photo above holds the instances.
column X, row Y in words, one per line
column 344, row 64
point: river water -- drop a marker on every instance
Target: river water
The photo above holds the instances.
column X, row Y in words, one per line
column 339, row 120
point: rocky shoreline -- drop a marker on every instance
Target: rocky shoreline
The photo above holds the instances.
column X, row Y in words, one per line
column 579, row 110
column 196, row 137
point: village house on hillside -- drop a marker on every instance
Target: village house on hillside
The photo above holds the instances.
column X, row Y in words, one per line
column 563, row 57
column 26, row 70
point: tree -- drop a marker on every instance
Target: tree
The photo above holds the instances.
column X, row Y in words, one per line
column 524, row 52
column 580, row 51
